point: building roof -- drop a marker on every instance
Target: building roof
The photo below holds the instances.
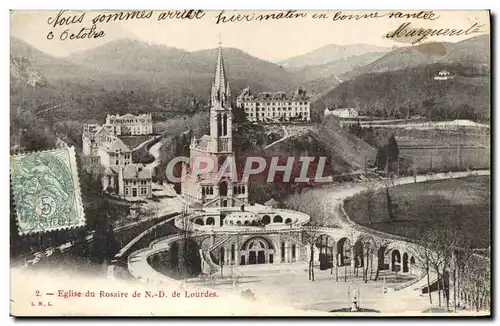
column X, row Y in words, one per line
column 136, row 171
column 112, row 170
column 221, row 93
column 272, row 202
column 202, row 143
column 246, row 95
column 130, row 116
column 117, row 144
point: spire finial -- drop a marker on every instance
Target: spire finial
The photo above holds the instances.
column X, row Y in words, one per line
column 220, row 40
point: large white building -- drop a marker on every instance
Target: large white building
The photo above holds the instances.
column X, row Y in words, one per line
column 275, row 107
column 129, row 124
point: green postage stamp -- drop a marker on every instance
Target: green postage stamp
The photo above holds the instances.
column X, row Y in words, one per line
column 46, row 191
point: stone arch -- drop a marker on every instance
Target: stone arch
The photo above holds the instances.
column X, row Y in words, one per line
column 288, row 221
column 381, row 253
column 278, row 219
column 266, row 219
column 344, row 249
column 219, row 125
column 224, row 124
column 199, row 221
column 210, row 221
column 325, row 245
column 259, row 250
column 358, row 253
column 396, row 260
column 247, row 222
column 406, row 268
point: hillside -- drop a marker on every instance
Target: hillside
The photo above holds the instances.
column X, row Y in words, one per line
column 127, row 75
column 22, row 74
column 413, row 91
column 472, row 51
column 344, row 151
column 319, row 78
column 330, row 53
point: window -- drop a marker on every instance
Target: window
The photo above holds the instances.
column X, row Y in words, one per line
column 127, row 192
column 144, row 190
column 143, row 182
column 135, row 182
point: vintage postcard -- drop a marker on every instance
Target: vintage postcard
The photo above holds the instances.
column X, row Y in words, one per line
column 250, row 163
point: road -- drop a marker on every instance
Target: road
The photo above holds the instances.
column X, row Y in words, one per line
column 285, row 136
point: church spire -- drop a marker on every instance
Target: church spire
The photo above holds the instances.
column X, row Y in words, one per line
column 220, row 87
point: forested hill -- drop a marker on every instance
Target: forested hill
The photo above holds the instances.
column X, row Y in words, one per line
column 414, row 91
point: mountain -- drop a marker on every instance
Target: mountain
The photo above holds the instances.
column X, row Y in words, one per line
column 472, row 51
column 128, row 75
column 331, row 53
column 167, row 65
column 322, row 77
column 414, row 91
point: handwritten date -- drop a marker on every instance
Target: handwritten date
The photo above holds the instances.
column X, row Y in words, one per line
column 83, row 33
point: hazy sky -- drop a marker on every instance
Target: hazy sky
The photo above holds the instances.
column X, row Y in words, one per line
column 269, row 40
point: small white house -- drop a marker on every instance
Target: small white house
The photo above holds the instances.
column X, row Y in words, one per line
column 347, row 113
column 443, row 75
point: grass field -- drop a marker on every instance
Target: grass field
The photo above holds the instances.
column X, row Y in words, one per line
column 463, row 202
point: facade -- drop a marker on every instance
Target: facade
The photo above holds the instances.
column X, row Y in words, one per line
column 206, row 189
column 347, row 113
column 130, row 182
column 242, row 234
column 104, row 151
column 275, row 107
column 129, row 124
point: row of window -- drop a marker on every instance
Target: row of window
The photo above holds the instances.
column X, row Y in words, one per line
column 300, row 108
column 113, row 121
column 133, row 191
column 135, row 182
column 274, row 114
column 275, row 103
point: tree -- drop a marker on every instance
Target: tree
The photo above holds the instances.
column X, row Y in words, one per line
column 438, row 246
column 369, row 194
column 382, row 245
column 388, row 155
column 392, row 150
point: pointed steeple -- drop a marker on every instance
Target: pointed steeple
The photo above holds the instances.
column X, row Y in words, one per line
column 220, row 87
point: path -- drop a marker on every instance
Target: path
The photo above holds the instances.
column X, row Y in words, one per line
column 285, row 136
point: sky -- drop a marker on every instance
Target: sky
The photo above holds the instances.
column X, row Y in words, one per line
column 271, row 40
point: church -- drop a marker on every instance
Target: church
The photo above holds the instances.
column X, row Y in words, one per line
column 241, row 233
column 206, row 189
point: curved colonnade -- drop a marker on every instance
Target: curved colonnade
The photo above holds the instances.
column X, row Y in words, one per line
column 398, row 253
